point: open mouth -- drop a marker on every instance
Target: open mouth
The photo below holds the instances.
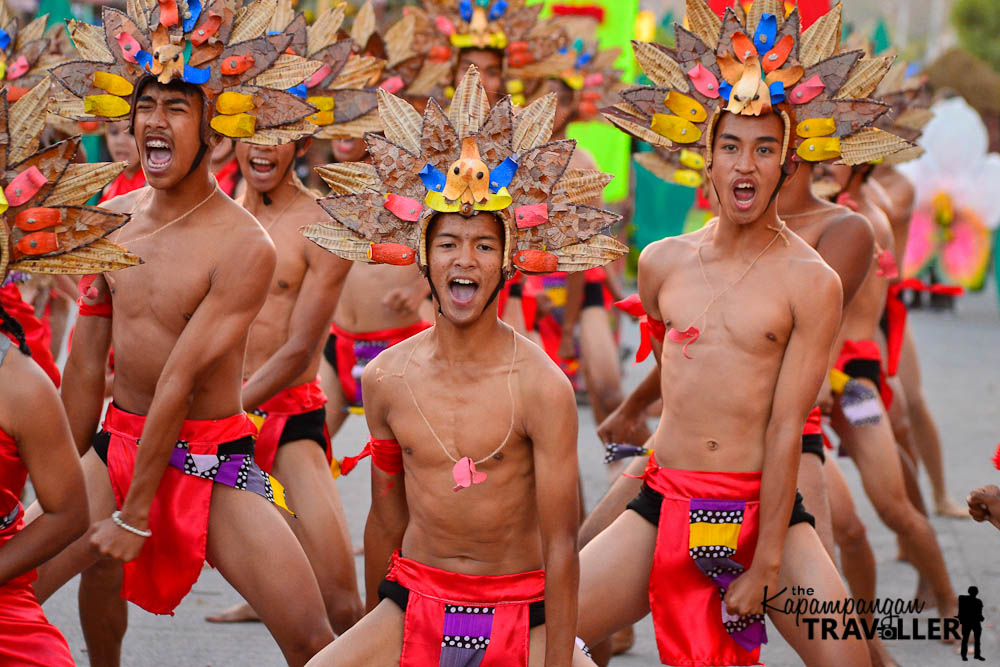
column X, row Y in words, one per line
column 462, row 291
column 744, row 193
column 345, row 146
column 159, row 154
column 262, row 166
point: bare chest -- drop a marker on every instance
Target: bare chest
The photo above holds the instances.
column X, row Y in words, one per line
column 750, row 315
column 167, row 287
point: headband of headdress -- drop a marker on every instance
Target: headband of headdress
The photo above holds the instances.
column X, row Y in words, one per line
column 45, row 224
column 214, row 45
column 752, row 68
column 530, row 47
column 473, row 159
column 340, row 89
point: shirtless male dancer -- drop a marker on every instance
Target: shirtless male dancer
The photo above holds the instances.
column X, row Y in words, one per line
column 179, row 326
column 922, row 428
column 471, row 539
column 280, row 374
column 872, row 446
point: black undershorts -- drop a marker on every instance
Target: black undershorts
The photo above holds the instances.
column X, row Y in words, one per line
column 812, row 443
column 869, row 369
column 306, row 426
column 330, row 350
column 593, row 295
column 400, row 594
column 102, row 440
column 648, row 501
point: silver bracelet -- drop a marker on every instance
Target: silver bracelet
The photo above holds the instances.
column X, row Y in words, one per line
column 117, row 518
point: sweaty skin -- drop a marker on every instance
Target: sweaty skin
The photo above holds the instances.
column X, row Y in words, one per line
column 523, row 516
column 179, row 330
column 739, row 403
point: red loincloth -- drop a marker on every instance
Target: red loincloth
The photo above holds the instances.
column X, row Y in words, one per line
column 814, row 426
column 866, row 350
column 277, row 409
column 451, row 617
column 686, row 605
column 356, row 350
column 171, row 560
column 26, row 636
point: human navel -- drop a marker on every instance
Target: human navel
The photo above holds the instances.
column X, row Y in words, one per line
column 712, row 445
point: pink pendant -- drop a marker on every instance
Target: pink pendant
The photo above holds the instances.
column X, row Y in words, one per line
column 690, row 335
column 887, row 267
column 466, row 475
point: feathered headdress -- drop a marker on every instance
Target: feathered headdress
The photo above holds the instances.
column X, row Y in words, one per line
column 473, row 159
column 530, row 47
column 215, row 45
column 341, row 88
column 751, row 68
column 26, row 53
column 45, row 224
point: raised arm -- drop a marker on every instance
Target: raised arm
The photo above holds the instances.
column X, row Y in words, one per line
column 84, row 375
column 218, row 325
column 816, row 309
column 310, row 323
column 552, row 428
column 388, row 515
column 45, row 445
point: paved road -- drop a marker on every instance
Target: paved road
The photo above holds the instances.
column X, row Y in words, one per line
column 960, row 354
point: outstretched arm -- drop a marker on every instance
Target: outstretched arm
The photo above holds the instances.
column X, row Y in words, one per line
column 553, row 432
column 389, row 515
column 309, row 324
column 45, row 445
column 218, row 325
column 816, row 309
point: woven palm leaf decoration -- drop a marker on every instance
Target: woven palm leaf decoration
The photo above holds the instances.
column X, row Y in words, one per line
column 217, row 45
column 530, row 46
column 753, row 67
column 45, row 224
column 472, row 159
column 26, row 52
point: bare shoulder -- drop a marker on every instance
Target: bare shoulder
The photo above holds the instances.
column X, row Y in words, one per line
column 814, row 280
column 659, row 255
column 240, row 230
column 127, row 202
column 22, row 383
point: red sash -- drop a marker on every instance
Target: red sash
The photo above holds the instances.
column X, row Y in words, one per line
column 448, row 612
column 277, row 409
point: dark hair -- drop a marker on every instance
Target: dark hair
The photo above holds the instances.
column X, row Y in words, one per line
column 12, row 326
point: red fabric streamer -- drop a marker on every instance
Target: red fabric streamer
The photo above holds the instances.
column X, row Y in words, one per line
column 386, row 456
column 593, row 11
column 649, row 327
column 286, row 403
